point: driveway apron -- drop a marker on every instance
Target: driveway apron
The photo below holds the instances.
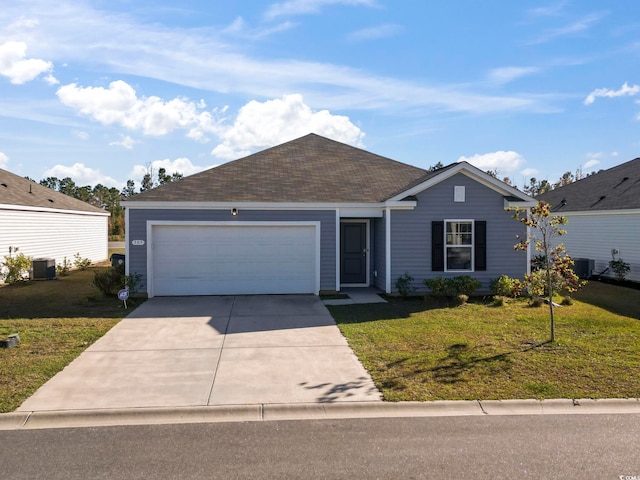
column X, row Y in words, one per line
column 225, row 350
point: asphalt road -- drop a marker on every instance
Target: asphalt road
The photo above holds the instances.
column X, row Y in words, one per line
column 491, row 447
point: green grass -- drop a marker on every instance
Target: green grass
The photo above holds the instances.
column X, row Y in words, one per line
column 56, row 321
column 116, row 250
column 417, row 351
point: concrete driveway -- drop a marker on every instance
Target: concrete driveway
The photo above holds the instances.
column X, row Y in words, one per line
column 198, row 351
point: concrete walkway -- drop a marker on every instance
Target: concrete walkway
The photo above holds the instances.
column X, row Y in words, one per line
column 358, row 295
column 208, row 351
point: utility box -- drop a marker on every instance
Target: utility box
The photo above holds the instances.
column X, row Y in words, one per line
column 583, row 267
column 43, row 269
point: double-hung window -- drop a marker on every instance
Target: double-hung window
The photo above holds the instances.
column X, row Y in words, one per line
column 459, row 245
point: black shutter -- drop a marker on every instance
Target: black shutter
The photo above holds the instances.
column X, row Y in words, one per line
column 437, row 246
column 480, row 241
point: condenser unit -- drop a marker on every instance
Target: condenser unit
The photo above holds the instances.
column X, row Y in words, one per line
column 43, row 269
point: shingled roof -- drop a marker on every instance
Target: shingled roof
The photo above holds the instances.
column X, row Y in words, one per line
column 309, row 169
column 617, row 188
column 16, row 190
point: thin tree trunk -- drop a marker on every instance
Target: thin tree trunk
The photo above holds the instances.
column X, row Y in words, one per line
column 553, row 326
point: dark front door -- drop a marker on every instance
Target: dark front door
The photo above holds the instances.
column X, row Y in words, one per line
column 353, row 253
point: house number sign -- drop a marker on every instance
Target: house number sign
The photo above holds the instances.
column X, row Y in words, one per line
column 137, row 242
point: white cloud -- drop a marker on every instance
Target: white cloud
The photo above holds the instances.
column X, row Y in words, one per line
column 591, row 163
column 82, row 175
column 4, row 160
column 374, row 33
column 183, row 57
column 581, row 25
column 264, row 124
column 625, row 90
column 551, row 11
column 303, row 7
column 180, row 165
column 80, row 134
column 527, row 172
column 240, row 29
column 19, row 69
column 505, row 162
column 24, row 22
column 504, row 75
column 125, row 142
column 120, row 105
column 51, row 80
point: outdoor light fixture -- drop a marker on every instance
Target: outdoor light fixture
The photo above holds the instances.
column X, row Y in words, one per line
column 234, row 212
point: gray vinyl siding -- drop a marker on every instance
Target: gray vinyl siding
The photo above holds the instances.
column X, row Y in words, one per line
column 411, row 232
column 379, row 253
column 137, row 230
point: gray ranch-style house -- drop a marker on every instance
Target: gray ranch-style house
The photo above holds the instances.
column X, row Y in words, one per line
column 315, row 215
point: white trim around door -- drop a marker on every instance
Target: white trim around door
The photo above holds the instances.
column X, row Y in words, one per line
column 366, row 222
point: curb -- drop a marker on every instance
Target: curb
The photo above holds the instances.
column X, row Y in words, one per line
column 311, row 411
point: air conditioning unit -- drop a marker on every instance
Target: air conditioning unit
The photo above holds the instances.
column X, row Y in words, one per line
column 43, row 269
column 583, row 267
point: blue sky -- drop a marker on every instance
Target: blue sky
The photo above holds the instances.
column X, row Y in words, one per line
column 100, row 89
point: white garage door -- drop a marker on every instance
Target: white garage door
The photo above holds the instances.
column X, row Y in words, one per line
column 233, row 259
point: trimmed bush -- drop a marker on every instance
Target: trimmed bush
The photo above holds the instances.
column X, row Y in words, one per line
column 506, row 286
column 465, row 285
column 536, row 302
column 567, row 301
column 81, row 263
column 63, row 268
column 499, row 301
column 109, row 280
column 440, row 287
column 461, row 299
column 450, row 287
column 15, row 269
column 403, row 285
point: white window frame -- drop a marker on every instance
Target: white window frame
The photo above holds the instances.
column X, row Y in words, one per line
column 471, row 246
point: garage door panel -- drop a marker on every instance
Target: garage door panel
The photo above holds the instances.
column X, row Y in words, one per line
column 218, row 260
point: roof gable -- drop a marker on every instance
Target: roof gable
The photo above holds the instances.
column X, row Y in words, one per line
column 512, row 195
column 617, row 188
column 19, row 191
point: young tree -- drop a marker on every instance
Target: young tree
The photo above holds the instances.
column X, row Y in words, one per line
column 555, row 272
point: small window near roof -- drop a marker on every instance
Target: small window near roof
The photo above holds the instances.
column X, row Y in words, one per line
column 458, row 193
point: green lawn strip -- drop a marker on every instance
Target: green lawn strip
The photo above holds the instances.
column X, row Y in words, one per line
column 418, row 352
column 46, row 346
column 56, row 320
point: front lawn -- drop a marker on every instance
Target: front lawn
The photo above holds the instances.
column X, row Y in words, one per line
column 56, row 320
column 417, row 351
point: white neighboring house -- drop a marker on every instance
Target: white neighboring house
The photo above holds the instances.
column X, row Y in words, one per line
column 603, row 212
column 43, row 223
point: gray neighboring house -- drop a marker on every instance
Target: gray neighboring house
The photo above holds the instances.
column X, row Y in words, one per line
column 315, row 215
column 44, row 223
column 603, row 212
